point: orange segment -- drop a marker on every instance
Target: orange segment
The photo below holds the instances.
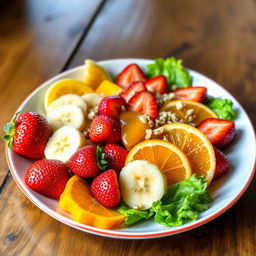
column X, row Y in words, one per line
column 195, row 145
column 169, row 158
column 78, row 201
column 199, row 113
column 107, row 88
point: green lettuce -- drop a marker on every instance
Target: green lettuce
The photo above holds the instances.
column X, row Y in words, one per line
column 222, row 107
column 172, row 69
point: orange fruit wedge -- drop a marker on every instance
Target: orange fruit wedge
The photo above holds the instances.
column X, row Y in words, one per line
column 186, row 109
column 195, row 145
column 169, row 159
column 107, row 88
column 78, row 201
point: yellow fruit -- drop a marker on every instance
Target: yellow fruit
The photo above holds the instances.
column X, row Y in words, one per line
column 94, row 74
column 195, row 145
column 78, row 201
column 65, row 86
column 169, row 159
column 199, row 111
column 108, row 88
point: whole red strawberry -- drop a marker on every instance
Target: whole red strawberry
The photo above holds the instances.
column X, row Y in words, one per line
column 87, row 161
column 105, row 129
column 116, row 156
column 47, row 177
column 28, row 135
column 222, row 164
column 105, row 189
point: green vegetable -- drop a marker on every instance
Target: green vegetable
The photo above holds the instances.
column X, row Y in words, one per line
column 222, row 107
column 172, row 69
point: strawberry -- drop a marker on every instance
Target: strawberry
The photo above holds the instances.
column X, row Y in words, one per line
column 195, row 93
column 157, row 84
column 111, row 106
column 47, row 177
column 105, row 188
column 116, row 156
column 132, row 90
column 220, row 132
column 28, row 134
column 222, row 164
column 145, row 103
column 105, row 129
column 88, row 161
column 130, row 74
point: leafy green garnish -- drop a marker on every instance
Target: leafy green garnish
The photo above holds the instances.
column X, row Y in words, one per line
column 222, row 107
column 101, row 159
column 172, row 69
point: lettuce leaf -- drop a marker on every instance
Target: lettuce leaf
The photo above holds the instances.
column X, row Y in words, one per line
column 172, row 69
column 222, row 107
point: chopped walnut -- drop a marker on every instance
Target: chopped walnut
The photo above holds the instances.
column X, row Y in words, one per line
column 163, row 98
column 179, row 105
column 149, row 134
column 86, row 133
column 92, row 113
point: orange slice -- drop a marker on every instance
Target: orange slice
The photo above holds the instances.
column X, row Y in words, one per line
column 78, row 201
column 107, row 88
column 186, row 108
column 169, row 159
column 195, row 145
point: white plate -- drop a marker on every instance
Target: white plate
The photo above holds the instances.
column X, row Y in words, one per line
column 225, row 190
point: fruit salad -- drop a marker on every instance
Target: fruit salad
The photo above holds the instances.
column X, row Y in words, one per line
column 116, row 151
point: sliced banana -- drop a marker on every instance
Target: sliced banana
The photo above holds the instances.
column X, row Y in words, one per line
column 141, row 184
column 63, row 115
column 68, row 99
column 92, row 99
column 64, row 143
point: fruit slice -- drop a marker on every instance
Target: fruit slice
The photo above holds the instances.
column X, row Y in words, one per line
column 185, row 109
column 222, row 164
column 132, row 90
column 64, row 143
column 78, row 201
column 129, row 135
column 195, row 93
column 65, row 86
column 169, row 159
column 141, row 184
column 94, row 74
column 107, row 88
column 157, row 84
column 66, row 100
column 195, row 145
column 70, row 115
column 92, row 99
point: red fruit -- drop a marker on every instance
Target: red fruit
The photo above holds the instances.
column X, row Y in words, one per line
column 87, row 161
column 47, row 177
column 132, row 90
column 111, row 106
column 105, row 189
column 195, row 93
column 145, row 103
column 115, row 155
column 105, row 129
column 130, row 74
column 157, row 84
column 28, row 135
column 222, row 164
column 220, row 132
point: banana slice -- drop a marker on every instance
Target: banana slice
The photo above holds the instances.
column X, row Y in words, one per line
column 92, row 99
column 64, row 143
column 63, row 115
column 66, row 100
column 141, row 184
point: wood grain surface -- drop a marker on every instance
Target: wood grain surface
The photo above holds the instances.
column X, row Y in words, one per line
column 38, row 39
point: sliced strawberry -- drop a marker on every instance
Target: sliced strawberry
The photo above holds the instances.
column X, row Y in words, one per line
column 145, row 103
column 130, row 74
column 157, row 84
column 132, row 90
column 195, row 93
column 222, row 164
column 220, row 132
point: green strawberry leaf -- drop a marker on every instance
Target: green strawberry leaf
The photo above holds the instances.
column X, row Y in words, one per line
column 101, row 159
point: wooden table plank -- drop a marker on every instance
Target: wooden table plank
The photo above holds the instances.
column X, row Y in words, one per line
column 36, row 40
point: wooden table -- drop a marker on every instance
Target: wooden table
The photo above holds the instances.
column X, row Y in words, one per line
column 39, row 39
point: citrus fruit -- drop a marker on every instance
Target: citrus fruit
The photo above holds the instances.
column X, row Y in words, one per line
column 65, row 86
column 94, row 74
column 195, row 145
column 187, row 108
column 78, row 201
column 169, row 159
column 107, row 88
